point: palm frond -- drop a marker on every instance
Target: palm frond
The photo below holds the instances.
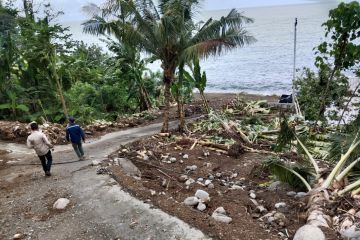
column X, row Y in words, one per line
column 295, row 175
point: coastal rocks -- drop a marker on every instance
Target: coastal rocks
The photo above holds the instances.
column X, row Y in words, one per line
column 309, row 232
column 61, row 203
column 219, row 215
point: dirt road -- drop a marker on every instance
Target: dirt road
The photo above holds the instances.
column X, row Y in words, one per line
column 99, row 209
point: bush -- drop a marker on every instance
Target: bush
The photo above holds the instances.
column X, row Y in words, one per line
column 311, row 85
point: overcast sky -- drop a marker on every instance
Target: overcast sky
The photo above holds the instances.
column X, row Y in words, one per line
column 73, row 12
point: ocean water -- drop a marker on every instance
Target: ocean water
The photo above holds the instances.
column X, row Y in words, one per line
column 265, row 67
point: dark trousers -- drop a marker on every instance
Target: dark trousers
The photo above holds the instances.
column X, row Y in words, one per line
column 46, row 165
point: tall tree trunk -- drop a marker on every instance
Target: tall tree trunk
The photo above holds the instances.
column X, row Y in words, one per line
column 180, row 100
column 62, row 99
column 165, row 127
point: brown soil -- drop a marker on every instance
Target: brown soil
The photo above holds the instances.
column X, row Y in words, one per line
column 171, row 192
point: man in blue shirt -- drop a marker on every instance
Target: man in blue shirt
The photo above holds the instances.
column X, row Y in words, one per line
column 75, row 134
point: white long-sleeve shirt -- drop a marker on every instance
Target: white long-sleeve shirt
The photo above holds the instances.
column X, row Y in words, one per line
column 39, row 142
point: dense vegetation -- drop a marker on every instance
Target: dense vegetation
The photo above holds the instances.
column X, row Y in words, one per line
column 46, row 74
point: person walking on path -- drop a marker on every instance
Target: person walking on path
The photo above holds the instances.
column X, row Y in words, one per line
column 40, row 143
column 75, row 134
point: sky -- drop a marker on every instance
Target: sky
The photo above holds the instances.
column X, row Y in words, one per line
column 73, row 12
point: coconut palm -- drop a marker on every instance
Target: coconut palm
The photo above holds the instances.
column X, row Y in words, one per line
column 168, row 33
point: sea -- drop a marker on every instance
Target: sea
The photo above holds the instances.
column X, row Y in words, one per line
column 265, row 67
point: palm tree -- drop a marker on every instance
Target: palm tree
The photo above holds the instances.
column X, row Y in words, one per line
column 168, row 33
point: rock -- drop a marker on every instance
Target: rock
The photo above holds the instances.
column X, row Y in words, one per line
column 220, row 210
column 202, row 195
column 200, row 179
column 61, row 203
column 189, row 182
column 191, row 201
column 300, row 195
column 218, row 175
column 183, row 178
column 185, row 156
column 274, row 186
column 152, row 192
column 280, row 205
column 129, row 168
column 234, row 175
column 291, row 193
column 351, row 233
column 220, row 215
column 201, row 207
column 236, row 187
column 172, row 160
column 357, row 214
column 261, row 209
column 252, row 195
column 280, row 218
column 211, row 177
column 17, row 236
column 95, row 163
column 191, row 168
column 211, row 185
column 207, row 182
column 309, row 232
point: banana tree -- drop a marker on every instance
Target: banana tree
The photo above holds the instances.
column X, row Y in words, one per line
column 325, row 185
column 199, row 79
column 13, row 105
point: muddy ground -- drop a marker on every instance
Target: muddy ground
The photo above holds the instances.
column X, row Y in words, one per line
column 233, row 180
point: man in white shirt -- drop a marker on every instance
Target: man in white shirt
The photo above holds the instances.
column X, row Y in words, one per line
column 39, row 142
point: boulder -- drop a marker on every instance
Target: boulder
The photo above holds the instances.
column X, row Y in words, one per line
column 309, row 232
column 191, row 201
column 202, row 195
column 201, row 207
column 219, row 215
column 61, row 203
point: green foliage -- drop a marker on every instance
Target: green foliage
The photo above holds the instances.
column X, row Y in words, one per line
column 310, row 84
column 284, row 171
column 286, row 135
column 343, row 30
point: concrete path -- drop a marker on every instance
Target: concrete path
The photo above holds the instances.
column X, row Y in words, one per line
column 99, row 208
